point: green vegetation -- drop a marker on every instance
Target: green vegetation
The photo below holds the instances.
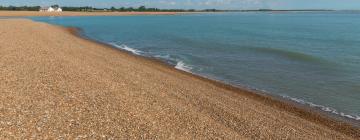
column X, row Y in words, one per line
column 91, row 9
column 20, row 8
column 84, row 9
column 125, row 9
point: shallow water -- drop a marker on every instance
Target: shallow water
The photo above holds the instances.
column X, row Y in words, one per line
column 312, row 58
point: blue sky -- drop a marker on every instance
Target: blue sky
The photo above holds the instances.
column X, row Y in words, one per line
column 199, row 4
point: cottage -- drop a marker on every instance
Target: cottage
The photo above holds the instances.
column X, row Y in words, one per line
column 58, row 9
column 46, row 9
column 50, row 9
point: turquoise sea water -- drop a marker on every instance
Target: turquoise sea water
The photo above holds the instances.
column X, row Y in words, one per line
column 312, row 58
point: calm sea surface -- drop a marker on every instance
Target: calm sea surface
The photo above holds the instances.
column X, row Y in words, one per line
column 312, row 58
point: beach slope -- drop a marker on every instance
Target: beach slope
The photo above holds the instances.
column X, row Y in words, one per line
column 54, row 84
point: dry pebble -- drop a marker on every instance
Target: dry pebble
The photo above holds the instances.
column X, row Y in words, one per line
column 50, row 88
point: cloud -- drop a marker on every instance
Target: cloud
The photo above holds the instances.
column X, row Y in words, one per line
column 168, row 2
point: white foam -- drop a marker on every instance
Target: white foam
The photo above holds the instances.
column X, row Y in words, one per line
column 182, row 66
column 166, row 57
column 324, row 108
column 126, row 48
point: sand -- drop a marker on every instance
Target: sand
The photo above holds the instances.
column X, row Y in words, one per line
column 55, row 85
column 67, row 13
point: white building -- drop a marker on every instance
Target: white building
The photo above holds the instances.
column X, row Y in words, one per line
column 50, row 9
column 58, row 9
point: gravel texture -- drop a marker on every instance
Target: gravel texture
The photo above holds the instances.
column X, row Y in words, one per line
column 55, row 85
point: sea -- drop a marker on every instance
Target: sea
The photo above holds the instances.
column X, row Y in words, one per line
column 311, row 58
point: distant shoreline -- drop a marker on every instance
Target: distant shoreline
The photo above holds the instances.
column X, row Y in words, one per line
column 66, row 13
column 117, row 13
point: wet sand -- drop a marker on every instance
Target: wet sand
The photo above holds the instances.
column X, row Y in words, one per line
column 54, row 84
column 67, row 13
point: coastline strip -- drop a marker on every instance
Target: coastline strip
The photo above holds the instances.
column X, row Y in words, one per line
column 67, row 13
column 313, row 114
column 54, row 83
column 306, row 112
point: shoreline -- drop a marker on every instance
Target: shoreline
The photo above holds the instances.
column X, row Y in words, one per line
column 68, row 13
column 338, row 123
column 63, row 85
column 277, row 98
column 309, row 106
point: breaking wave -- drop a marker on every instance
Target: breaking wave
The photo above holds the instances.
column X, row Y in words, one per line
column 182, row 66
column 323, row 108
column 179, row 64
column 126, row 48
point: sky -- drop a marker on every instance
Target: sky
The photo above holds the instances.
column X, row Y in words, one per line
column 199, row 4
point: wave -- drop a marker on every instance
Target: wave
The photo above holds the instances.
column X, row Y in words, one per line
column 126, row 48
column 182, row 66
column 323, row 108
column 297, row 56
column 179, row 64
column 166, row 57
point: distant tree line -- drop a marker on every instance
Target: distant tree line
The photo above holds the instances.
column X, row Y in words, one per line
column 138, row 9
column 145, row 9
column 20, row 8
column 125, row 9
column 92, row 9
column 84, row 9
